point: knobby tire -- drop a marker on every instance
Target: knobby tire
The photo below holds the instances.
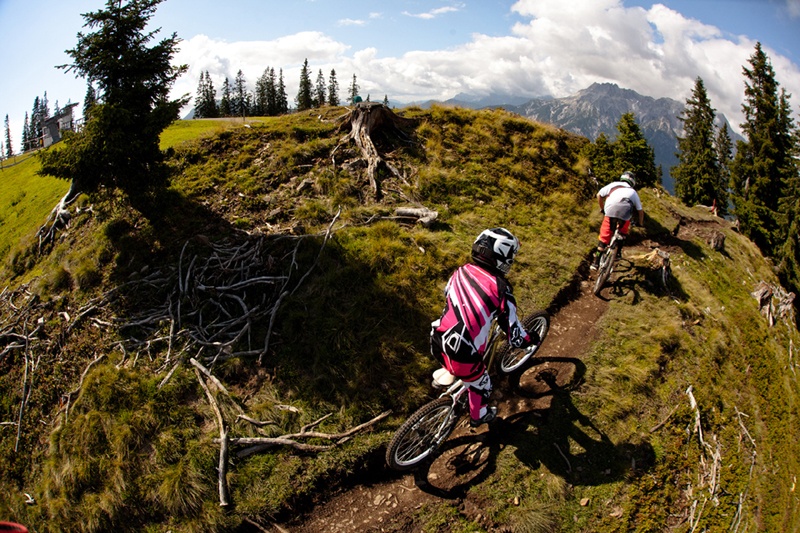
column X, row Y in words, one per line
column 605, row 268
column 421, row 435
column 513, row 360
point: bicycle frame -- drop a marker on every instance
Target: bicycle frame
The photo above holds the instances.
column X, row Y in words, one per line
column 430, row 425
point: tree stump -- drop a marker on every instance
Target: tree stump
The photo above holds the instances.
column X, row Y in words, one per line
column 717, row 241
column 365, row 120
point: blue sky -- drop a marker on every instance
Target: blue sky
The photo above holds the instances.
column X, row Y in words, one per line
column 414, row 50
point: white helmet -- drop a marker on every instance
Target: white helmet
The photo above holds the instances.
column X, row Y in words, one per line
column 629, row 178
column 495, row 249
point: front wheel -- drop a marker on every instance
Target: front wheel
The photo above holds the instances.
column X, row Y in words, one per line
column 511, row 359
column 423, row 432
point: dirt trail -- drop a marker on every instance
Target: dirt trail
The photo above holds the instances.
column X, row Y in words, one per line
column 390, row 500
column 396, row 497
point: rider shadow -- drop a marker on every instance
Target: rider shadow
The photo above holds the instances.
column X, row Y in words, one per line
column 546, row 437
column 572, row 447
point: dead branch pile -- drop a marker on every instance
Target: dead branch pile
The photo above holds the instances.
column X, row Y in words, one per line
column 218, row 298
column 259, row 444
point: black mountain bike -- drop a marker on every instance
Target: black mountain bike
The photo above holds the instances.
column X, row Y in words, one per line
column 428, row 427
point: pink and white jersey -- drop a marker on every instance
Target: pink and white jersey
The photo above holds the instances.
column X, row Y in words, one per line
column 473, row 298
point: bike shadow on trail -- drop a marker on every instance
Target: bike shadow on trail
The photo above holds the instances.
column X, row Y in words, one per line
column 630, row 279
column 557, row 436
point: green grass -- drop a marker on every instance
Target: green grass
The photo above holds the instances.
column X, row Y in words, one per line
column 186, row 130
column 356, row 332
column 26, row 199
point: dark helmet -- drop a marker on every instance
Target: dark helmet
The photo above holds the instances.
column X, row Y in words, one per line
column 629, row 178
column 495, row 249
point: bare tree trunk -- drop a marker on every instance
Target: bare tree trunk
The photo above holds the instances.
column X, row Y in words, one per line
column 58, row 218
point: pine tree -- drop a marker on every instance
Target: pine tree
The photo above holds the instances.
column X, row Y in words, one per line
column 26, row 142
column 9, row 147
column 305, row 98
column 600, row 154
column 119, row 144
column 632, row 152
column 386, row 100
column 697, row 173
column 212, row 109
column 333, row 89
column 240, row 97
column 763, row 164
column 272, row 93
column 37, row 122
column 723, row 146
column 320, row 91
column 260, row 95
column 353, row 90
column 225, row 108
column 89, row 100
column 281, row 98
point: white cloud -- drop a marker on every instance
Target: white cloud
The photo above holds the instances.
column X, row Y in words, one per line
column 433, row 13
column 560, row 48
column 351, row 22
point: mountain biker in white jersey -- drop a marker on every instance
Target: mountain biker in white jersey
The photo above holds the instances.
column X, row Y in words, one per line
column 618, row 201
column 475, row 294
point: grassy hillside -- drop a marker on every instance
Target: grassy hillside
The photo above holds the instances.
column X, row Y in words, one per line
column 117, row 433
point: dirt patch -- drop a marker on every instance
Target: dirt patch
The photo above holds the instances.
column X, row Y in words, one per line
column 392, row 502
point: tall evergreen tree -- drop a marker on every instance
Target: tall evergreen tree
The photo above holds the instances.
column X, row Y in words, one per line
column 225, row 109
column 723, row 146
column 281, row 98
column 386, row 100
column 38, row 115
column 260, row 100
column 239, row 97
column 26, row 142
column 333, row 89
column 9, row 146
column 632, row 152
column 320, row 91
column 272, row 93
column 352, row 91
column 600, row 154
column 119, row 144
column 763, row 164
column 697, row 173
column 205, row 105
column 89, row 100
column 305, row 97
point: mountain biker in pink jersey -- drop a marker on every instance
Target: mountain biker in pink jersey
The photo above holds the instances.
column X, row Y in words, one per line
column 618, row 201
column 475, row 294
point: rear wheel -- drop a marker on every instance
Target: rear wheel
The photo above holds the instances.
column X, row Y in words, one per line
column 510, row 359
column 423, row 432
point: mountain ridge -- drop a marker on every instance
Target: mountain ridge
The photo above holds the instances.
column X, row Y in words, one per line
column 597, row 109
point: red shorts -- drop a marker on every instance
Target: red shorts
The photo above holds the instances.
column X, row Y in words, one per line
column 606, row 232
